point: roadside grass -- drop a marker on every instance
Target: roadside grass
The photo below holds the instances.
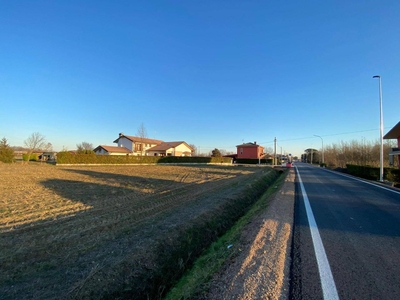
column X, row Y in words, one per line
column 195, row 282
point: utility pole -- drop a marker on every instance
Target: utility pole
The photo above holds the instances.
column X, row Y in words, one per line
column 275, row 151
column 311, row 155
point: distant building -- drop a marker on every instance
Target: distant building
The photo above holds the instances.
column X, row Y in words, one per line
column 111, row 150
column 250, row 150
column 133, row 145
column 171, row 149
column 136, row 145
column 394, row 134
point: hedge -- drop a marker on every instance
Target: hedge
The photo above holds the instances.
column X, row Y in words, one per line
column 372, row 173
column 71, row 158
column 253, row 161
column 33, row 157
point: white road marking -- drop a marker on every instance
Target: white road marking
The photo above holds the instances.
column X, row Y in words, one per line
column 325, row 274
column 361, row 180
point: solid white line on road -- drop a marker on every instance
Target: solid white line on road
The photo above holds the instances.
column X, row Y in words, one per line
column 327, row 282
column 364, row 181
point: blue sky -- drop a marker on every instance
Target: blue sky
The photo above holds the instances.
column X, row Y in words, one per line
column 212, row 73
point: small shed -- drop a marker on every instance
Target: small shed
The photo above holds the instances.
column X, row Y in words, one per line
column 47, row 156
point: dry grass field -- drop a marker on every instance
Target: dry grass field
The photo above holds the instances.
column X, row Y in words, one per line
column 105, row 231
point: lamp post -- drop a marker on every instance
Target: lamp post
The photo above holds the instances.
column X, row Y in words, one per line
column 323, row 161
column 381, row 127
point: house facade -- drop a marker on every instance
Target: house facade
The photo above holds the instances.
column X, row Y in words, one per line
column 171, row 149
column 137, row 145
column 250, row 150
column 394, row 134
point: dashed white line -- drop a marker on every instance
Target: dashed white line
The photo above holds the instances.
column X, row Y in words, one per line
column 327, row 282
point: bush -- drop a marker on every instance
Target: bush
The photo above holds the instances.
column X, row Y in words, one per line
column 6, row 152
column 393, row 175
column 33, row 157
column 373, row 173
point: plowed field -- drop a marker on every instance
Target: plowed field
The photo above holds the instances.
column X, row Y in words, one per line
column 88, row 232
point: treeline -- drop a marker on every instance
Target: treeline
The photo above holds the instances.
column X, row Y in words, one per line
column 361, row 153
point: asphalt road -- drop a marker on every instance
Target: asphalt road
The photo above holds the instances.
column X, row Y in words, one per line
column 346, row 241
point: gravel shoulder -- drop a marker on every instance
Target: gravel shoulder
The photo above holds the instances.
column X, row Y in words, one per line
column 262, row 269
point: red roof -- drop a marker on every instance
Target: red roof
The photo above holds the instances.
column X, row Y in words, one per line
column 139, row 139
column 249, row 145
column 113, row 149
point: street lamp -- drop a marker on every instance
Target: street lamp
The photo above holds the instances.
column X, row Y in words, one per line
column 323, row 161
column 381, row 127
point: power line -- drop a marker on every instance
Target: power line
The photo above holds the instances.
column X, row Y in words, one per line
column 326, row 135
column 303, row 138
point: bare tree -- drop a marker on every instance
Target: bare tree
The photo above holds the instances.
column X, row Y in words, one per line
column 356, row 152
column 84, row 147
column 194, row 153
column 48, row 147
column 35, row 142
column 142, row 134
column 269, row 150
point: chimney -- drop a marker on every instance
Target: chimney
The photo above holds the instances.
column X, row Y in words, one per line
column 255, row 143
column 121, row 134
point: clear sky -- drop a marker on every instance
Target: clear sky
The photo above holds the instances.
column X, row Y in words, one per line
column 211, row 73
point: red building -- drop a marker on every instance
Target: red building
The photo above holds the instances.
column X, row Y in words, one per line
column 250, row 150
column 394, row 134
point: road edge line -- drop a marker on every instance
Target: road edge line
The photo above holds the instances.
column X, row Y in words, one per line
column 327, row 282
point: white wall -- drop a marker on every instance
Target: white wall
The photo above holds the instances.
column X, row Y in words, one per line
column 101, row 152
column 124, row 142
column 181, row 149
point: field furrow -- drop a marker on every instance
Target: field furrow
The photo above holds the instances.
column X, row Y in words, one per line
column 71, row 228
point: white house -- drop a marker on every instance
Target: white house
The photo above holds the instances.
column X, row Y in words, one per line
column 136, row 145
column 171, row 149
column 133, row 145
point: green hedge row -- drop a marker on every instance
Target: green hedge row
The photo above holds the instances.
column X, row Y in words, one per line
column 71, row 158
column 253, row 161
column 372, row 173
column 33, row 157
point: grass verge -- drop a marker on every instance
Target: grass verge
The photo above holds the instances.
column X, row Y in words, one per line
column 195, row 282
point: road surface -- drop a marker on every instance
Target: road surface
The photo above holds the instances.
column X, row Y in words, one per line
column 346, row 237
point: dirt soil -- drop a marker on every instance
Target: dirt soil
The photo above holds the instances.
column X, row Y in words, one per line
column 261, row 270
column 89, row 231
